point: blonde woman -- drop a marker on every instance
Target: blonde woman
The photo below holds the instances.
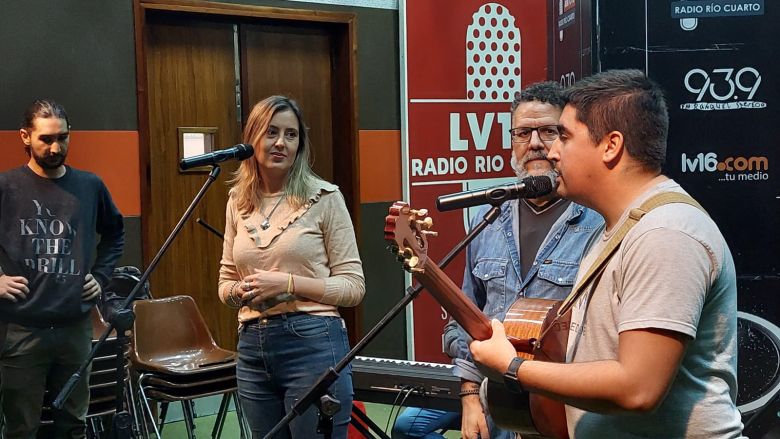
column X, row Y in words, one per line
column 289, row 260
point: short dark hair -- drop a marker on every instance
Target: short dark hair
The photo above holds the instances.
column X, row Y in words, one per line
column 625, row 101
column 43, row 108
column 547, row 92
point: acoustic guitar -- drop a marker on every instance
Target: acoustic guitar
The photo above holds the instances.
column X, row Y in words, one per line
column 528, row 322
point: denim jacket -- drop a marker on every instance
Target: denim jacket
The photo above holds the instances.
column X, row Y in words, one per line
column 492, row 276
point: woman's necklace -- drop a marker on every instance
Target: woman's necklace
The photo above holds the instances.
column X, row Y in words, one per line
column 266, row 222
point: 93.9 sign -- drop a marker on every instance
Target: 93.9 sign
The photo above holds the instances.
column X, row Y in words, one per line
column 723, row 89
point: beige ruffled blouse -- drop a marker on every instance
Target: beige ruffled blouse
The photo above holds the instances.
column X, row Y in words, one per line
column 316, row 240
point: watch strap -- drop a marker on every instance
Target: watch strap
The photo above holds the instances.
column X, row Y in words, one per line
column 510, row 376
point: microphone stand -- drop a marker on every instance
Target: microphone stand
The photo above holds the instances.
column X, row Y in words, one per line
column 317, row 393
column 210, row 228
column 123, row 322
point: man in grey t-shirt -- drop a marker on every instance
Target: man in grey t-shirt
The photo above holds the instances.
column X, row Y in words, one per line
column 652, row 347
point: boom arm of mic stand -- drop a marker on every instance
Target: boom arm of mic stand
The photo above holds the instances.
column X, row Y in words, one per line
column 329, row 376
column 67, row 389
column 210, row 228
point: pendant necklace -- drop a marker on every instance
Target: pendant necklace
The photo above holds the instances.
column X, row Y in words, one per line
column 266, row 222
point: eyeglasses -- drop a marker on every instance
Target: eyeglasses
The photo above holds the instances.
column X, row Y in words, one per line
column 51, row 138
column 547, row 133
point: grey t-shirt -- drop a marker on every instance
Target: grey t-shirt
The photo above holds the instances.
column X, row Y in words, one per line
column 673, row 271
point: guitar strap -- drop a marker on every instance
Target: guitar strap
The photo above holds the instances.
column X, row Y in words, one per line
column 598, row 266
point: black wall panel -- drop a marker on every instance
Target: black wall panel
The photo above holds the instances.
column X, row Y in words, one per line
column 78, row 52
column 384, row 285
column 719, row 78
column 719, row 75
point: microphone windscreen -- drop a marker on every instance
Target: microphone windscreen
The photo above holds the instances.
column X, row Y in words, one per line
column 538, row 185
column 244, row 151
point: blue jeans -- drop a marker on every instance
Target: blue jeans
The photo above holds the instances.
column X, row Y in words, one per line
column 279, row 359
column 415, row 422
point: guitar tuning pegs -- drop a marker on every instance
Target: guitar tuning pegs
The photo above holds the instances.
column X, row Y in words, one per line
column 430, row 233
column 417, row 270
column 413, row 261
column 419, row 212
column 427, row 223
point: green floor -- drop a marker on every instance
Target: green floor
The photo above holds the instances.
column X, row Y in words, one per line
column 378, row 413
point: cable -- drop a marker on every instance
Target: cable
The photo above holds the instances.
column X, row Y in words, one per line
column 419, row 389
column 407, row 388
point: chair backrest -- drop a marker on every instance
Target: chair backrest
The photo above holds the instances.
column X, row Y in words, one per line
column 170, row 327
column 99, row 325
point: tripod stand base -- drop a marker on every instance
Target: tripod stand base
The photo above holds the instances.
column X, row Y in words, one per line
column 121, row 426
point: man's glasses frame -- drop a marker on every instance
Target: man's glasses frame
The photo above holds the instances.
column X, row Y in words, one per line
column 547, row 133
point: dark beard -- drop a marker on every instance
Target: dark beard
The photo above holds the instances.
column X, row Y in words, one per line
column 50, row 162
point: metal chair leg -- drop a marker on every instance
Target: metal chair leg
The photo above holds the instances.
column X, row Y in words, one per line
column 148, row 410
column 138, row 430
column 188, row 418
column 163, row 414
column 219, row 423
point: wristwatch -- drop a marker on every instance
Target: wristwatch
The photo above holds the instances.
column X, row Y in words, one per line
column 510, row 376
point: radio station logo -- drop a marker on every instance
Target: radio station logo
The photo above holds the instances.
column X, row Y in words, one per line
column 690, row 11
column 723, row 89
column 732, row 168
column 493, row 76
column 716, row 8
column 492, row 55
column 567, row 11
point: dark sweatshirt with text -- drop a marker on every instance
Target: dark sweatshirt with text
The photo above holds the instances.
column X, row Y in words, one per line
column 54, row 232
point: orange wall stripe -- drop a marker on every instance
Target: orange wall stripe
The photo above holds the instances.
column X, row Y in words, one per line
column 380, row 165
column 112, row 155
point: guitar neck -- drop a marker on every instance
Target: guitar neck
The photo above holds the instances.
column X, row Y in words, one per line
column 463, row 310
column 449, row 296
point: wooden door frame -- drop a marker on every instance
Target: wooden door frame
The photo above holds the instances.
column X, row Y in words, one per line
column 346, row 49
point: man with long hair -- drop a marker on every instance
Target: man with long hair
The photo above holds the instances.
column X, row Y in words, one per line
column 60, row 237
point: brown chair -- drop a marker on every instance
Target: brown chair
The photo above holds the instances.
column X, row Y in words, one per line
column 99, row 325
column 184, row 363
column 171, row 337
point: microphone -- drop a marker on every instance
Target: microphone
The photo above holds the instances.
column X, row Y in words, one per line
column 529, row 187
column 242, row 151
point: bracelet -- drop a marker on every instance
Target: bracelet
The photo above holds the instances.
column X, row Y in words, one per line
column 290, row 284
column 468, row 392
column 231, row 297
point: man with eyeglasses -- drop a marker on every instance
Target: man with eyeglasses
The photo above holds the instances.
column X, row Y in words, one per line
column 652, row 341
column 60, row 237
column 532, row 250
